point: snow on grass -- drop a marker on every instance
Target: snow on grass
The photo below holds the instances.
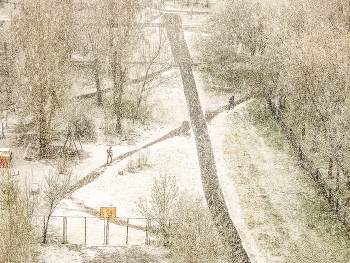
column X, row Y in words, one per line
column 176, row 156
column 284, row 212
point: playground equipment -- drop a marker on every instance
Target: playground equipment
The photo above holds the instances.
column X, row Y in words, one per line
column 72, row 136
column 5, row 157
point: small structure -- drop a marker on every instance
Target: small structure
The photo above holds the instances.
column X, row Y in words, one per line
column 108, row 212
column 5, row 157
column 72, row 136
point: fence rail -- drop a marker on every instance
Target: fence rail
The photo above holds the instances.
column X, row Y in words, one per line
column 90, row 230
column 339, row 209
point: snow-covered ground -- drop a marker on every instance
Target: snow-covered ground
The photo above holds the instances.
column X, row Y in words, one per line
column 276, row 209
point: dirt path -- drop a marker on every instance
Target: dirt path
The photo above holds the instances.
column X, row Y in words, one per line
column 92, row 176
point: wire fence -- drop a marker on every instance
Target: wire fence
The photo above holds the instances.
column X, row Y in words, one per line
column 329, row 193
column 95, row 231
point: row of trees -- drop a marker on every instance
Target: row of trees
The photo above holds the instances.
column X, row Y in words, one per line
column 108, row 35
column 295, row 54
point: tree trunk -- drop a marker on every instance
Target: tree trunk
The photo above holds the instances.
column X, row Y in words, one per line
column 97, row 83
column 46, row 227
column 211, row 185
column 43, row 133
column 118, row 91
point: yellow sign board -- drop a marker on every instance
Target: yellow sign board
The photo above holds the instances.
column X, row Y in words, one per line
column 108, row 212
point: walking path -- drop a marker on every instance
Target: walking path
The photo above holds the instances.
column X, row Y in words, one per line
column 211, row 185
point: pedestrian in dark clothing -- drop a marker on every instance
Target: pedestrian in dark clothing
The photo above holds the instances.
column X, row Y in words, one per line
column 109, row 154
column 231, row 102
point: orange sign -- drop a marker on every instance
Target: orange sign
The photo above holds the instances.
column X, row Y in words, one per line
column 5, row 157
column 108, row 212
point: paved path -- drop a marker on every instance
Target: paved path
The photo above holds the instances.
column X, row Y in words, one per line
column 92, row 176
column 211, row 185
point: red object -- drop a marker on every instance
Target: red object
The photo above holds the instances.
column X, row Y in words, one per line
column 5, row 157
column 4, row 162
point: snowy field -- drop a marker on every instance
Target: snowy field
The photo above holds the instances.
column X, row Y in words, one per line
column 277, row 210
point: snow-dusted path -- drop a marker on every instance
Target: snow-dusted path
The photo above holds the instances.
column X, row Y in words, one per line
column 211, row 185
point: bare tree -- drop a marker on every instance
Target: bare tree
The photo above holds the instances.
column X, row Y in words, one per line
column 161, row 204
column 41, row 48
column 57, row 187
column 152, row 63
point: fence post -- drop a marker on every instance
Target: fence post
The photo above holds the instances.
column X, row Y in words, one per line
column 149, row 235
column 330, row 168
column 104, row 231
column 65, row 230
column 337, row 206
column 337, row 182
column 44, row 229
column 146, row 242
column 107, row 231
column 330, row 197
column 85, row 232
column 317, row 174
column 127, row 231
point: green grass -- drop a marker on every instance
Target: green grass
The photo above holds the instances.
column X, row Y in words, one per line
column 218, row 85
column 289, row 218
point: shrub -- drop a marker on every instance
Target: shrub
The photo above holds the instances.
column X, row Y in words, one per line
column 17, row 237
column 185, row 224
column 139, row 163
column 85, row 127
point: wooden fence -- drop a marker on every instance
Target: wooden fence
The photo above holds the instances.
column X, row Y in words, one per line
column 330, row 194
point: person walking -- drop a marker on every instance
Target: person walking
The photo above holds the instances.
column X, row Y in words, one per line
column 231, row 102
column 109, row 154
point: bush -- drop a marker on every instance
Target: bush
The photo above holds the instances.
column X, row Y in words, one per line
column 17, row 237
column 85, row 127
column 185, row 224
column 139, row 163
column 193, row 237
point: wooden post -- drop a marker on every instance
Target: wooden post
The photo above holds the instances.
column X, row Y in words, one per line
column 44, row 229
column 104, row 231
column 337, row 182
column 330, row 196
column 330, row 168
column 107, row 230
column 146, row 242
column 337, row 206
column 85, row 232
column 65, row 230
column 127, row 231
column 149, row 235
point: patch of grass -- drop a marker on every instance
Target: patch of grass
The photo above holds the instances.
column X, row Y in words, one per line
column 259, row 116
column 280, row 199
column 219, row 85
column 138, row 163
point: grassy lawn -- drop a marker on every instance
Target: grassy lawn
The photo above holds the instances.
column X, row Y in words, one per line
column 283, row 208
